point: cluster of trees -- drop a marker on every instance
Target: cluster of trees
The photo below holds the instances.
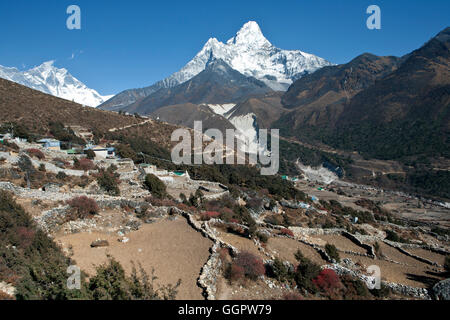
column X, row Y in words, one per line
column 17, row 129
column 64, row 134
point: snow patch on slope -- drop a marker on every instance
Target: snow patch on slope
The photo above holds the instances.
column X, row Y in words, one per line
column 57, row 82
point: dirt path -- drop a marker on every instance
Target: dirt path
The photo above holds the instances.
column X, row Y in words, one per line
column 130, row 126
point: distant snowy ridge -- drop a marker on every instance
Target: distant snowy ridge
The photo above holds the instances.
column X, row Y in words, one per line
column 54, row 81
column 250, row 53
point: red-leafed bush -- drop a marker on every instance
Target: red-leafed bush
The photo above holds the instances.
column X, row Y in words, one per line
column 224, row 253
column 160, row 202
column 292, row 296
column 84, row 164
column 185, row 207
column 236, row 272
column 327, row 280
column 36, row 153
column 286, row 232
column 253, row 266
column 208, row 215
column 83, row 206
column 234, row 220
column 25, row 235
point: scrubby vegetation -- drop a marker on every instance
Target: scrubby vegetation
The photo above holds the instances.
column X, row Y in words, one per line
column 37, row 268
column 245, row 264
column 336, row 208
column 64, row 134
column 83, row 164
column 29, row 259
column 83, row 207
column 393, row 236
column 332, row 252
column 111, row 283
column 36, row 153
column 155, row 186
column 109, row 181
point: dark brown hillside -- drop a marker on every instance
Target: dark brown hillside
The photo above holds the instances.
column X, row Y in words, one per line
column 318, row 99
column 35, row 110
column 406, row 113
column 217, row 84
column 339, row 83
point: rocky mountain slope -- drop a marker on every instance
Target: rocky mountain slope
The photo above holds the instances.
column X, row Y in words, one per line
column 57, row 82
column 318, row 99
column 217, row 84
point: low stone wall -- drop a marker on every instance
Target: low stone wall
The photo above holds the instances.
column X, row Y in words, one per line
column 211, row 270
column 399, row 248
column 216, row 196
column 405, row 290
column 103, row 200
column 355, row 240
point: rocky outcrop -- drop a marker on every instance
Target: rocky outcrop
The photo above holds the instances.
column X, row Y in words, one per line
column 441, row 290
column 8, row 289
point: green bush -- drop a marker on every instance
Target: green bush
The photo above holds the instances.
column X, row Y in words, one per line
column 305, row 273
column 332, row 252
column 111, row 283
column 90, row 154
column 125, row 152
column 155, row 186
column 280, row 271
column 109, row 181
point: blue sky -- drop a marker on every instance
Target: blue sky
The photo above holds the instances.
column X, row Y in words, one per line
column 134, row 43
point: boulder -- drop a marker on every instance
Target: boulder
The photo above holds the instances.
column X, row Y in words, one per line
column 99, row 243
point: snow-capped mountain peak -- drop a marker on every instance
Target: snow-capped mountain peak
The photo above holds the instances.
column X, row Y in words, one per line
column 250, row 53
column 249, row 34
column 55, row 81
